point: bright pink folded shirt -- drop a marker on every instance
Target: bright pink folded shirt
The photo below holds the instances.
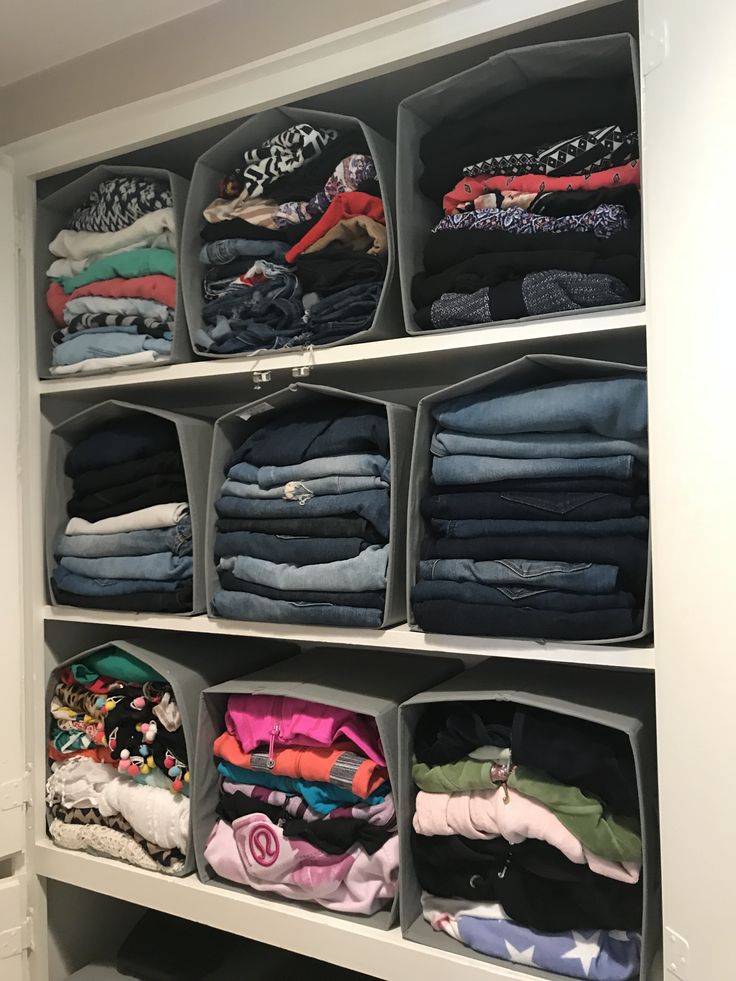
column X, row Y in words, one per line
column 161, row 289
column 284, row 721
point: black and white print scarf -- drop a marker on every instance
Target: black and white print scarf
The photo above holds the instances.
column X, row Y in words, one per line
column 120, row 201
column 282, row 154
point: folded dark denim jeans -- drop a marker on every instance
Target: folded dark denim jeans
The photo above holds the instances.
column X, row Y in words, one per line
column 368, row 600
column 274, row 331
column 614, row 407
column 366, row 572
column 325, row 428
column 142, row 493
column 120, row 443
column 167, row 462
column 481, row 527
column 87, row 586
column 346, row 312
column 532, row 446
column 520, row 597
column 282, row 548
column 248, row 606
column 466, row 469
column 340, row 527
column 178, row 602
column 444, row 616
column 373, row 505
column 226, row 250
column 533, row 505
column 630, row 554
column 554, row 485
column 577, row 577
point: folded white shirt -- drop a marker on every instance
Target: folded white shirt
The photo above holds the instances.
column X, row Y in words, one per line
column 137, row 359
column 145, row 231
column 72, row 267
column 156, row 516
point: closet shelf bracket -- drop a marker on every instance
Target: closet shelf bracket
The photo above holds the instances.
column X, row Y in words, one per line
column 15, row 793
column 14, row 942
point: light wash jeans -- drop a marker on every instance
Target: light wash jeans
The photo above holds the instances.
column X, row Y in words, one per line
column 302, row 490
column 579, row 577
column 246, row 606
column 372, row 505
column 482, row 527
column 364, row 573
column 350, row 465
column 177, row 540
column 79, row 347
column 530, row 446
column 83, row 586
column 615, row 407
column 481, row 469
column 160, row 566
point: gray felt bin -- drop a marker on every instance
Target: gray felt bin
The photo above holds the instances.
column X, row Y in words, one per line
column 195, row 440
column 526, row 372
column 189, row 669
column 232, row 429
column 228, row 154
column 500, row 76
column 618, row 701
column 52, row 214
column 371, row 683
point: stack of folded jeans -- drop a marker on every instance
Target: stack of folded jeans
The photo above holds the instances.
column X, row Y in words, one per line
column 306, row 810
column 128, row 542
column 303, row 518
column 540, row 201
column 526, row 837
column 119, row 783
column 113, row 289
column 295, row 245
column 538, row 514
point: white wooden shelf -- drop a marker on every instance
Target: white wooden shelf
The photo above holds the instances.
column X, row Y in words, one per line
column 399, row 638
column 387, row 352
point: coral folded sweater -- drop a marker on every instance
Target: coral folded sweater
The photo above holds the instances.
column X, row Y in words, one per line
column 162, row 289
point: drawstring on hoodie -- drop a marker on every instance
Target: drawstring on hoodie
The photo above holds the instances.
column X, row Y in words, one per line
column 295, row 490
column 271, row 762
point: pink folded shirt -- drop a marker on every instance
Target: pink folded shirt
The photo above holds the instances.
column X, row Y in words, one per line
column 284, row 721
column 505, row 812
column 255, row 852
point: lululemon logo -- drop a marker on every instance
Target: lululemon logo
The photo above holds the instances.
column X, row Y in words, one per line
column 264, row 845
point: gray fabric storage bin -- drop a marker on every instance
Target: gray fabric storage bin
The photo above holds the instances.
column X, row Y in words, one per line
column 526, row 372
column 189, row 670
column 500, row 76
column 52, row 214
column 371, row 683
column 232, row 429
column 195, row 440
column 226, row 155
column 615, row 700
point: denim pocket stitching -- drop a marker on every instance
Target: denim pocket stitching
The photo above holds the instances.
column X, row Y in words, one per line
column 560, row 568
column 546, row 505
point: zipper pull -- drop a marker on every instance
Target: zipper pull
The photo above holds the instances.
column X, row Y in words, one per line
column 504, row 870
column 271, row 762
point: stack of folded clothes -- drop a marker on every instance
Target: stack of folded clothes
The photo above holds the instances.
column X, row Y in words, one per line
column 295, row 245
column 303, row 518
column 526, row 838
column 113, row 289
column 540, row 194
column 538, row 513
column 119, row 780
column 306, row 810
column 128, row 542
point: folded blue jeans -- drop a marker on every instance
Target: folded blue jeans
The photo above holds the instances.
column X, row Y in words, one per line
column 226, row 249
column 365, row 573
column 299, row 490
column 521, row 597
column 350, row 465
column 246, row 606
column 177, row 540
column 283, row 548
column 578, row 577
column 615, row 407
column 531, row 446
column 533, row 505
column 372, row 505
column 481, row 528
column 84, row 586
column 162, row 566
column 465, row 469
column 371, row 600
column 79, row 347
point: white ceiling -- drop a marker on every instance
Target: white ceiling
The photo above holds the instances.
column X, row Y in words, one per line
column 38, row 34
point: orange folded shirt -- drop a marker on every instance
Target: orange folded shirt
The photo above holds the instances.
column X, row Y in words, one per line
column 99, row 753
column 348, row 204
column 160, row 288
column 339, row 764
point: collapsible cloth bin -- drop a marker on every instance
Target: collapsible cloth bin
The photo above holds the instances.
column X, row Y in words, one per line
column 195, row 439
column 52, row 214
column 372, row 684
column 527, row 372
column 499, row 77
column 620, row 702
column 182, row 663
column 233, row 428
column 228, row 153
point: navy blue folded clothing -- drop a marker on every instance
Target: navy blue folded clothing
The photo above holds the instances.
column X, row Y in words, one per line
column 283, row 548
column 331, row 527
column 519, row 597
column 369, row 601
column 563, row 506
column 121, row 442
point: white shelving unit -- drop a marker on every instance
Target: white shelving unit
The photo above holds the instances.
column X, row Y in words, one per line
column 685, row 334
